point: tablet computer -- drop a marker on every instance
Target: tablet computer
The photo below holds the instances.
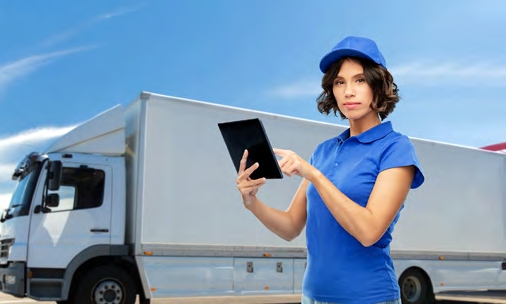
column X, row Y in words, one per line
column 250, row 134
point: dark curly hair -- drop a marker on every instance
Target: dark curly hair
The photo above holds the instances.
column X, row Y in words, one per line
column 385, row 91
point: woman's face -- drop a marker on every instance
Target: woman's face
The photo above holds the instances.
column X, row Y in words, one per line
column 353, row 94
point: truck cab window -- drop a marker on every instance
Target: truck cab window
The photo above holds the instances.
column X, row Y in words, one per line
column 81, row 188
column 22, row 196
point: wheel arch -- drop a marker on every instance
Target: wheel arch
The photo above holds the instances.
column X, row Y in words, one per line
column 95, row 256
column 421, row 269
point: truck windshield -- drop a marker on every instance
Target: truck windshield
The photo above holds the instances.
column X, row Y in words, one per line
column 23, row 193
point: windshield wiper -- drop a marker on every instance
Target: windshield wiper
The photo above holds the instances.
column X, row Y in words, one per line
column 6, row 215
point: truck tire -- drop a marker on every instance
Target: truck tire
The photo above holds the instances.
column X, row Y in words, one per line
column 105, row 285
column 415, row 287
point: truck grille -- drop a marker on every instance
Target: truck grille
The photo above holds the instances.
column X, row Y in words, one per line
column 5, row 245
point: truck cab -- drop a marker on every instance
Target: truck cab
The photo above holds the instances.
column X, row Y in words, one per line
column 67, row 215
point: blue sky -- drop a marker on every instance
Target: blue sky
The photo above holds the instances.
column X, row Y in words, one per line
column 62, row 63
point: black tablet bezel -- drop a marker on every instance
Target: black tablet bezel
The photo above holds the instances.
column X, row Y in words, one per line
column 243, row 134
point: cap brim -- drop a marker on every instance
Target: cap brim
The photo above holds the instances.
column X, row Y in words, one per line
column 333, row 56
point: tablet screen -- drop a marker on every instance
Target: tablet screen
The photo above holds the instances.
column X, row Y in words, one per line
column 250, row 134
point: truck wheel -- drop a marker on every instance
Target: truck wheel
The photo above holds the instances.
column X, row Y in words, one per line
column 105, row 285
column 415, row 287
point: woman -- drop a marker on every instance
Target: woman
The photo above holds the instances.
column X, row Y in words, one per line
column 353, row 187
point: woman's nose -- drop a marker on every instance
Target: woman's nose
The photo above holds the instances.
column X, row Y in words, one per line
column 349, row 91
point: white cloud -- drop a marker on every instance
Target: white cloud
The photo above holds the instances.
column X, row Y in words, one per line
column 28, row 139
column 22, row 67
column 15, row 147
column 119, row 12
column 65, row 35
column 451, row 72
column 298, row 89
column 6, row 171
column 5, row 199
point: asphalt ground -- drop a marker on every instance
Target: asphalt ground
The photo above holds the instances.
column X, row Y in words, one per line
column 449, row 298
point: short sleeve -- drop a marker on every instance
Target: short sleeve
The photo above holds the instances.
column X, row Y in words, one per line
column 402, row 153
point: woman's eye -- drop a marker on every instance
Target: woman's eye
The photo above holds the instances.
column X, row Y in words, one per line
column 360, row 80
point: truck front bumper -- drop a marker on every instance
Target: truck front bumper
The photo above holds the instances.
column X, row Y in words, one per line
column 12, row 279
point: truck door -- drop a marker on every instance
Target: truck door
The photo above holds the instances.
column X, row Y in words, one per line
column 78, row 217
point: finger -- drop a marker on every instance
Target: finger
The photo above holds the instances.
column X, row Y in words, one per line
column 251, row 183
column 247, row 188
column 283, row 162
column 242, row 163
column 288, row 167
column 286, row 164
column 279, row 152
column 245, row 176
column 293, row 169
column 250, row 170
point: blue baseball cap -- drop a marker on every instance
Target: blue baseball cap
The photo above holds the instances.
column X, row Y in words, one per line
column 353, row 46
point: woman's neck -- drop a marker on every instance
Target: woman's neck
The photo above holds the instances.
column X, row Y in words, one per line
column 363, row 124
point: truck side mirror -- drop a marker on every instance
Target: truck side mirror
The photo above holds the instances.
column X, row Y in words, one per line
column 52, row 200
column 54, row 175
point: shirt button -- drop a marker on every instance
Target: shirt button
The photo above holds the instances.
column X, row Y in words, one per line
column 335, row 164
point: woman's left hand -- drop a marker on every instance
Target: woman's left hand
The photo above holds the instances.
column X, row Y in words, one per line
column 291, row 163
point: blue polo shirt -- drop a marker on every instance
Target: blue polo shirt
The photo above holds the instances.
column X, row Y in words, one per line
column 339, row 268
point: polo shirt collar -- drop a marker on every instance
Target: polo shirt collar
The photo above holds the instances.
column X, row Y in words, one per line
column 370, row 135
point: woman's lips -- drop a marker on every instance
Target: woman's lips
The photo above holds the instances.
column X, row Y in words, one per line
column 351, row 105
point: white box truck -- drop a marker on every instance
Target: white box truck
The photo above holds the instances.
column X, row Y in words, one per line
column 141, row 201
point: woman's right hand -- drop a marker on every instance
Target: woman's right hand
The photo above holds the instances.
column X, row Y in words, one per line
column 245, row 184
